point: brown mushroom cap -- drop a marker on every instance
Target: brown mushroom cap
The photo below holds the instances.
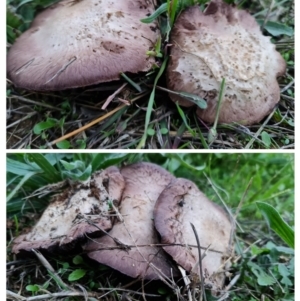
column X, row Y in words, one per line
column 224, row 42
column 80, row 43
column 77, row 211
column 180, row 204
column 143, row 184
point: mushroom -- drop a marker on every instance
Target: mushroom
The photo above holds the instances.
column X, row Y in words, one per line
column 224, row 42
column 79, row 210
column 76, row 43
column 180, row 204
column 152, row 214
column 130, row 246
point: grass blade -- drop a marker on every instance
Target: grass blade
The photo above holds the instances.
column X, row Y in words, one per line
column 151, row 102
column 277, row 224
column 19, row 168
column 156, row 14
column 46, row 166
column 132, row 83
column 181, row 113
column 19, row 185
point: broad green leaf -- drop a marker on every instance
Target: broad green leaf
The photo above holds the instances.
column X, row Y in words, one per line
column 12, row 19
column 53, row 158
column 265, row 137
column 276, row 29
column 200, row 102
column 283, row 270
column 286, row 281
column 77, row 274
column 150, row 132
column 285, row 273
column 73, row 165
column 164, row 131
column 81, row 144
column 11, row 34
column 270, row 245
column 263, row 278
column 44, row 125
column 105, row 160
column 212, row 135
column 255, row 250
column 22, row 3
column 277, row 224
column 65, row 144
column 32, row 288
column 77, row 259
column 78, row 174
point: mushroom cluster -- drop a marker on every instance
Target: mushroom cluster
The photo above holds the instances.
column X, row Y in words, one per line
column 77, row 43
column 136, row 219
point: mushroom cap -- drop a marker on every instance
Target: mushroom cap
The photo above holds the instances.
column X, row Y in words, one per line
column 79, row 210
column 77, row 43
column 180, row 204
column 224, row 42
column 143, row 184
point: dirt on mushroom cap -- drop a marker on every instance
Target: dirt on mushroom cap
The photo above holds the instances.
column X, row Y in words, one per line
column 144, row 183
column 180, row 204
column 81, row 209
column 224, row 42
column 80, row 43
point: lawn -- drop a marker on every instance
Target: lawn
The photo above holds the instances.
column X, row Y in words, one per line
column 74, row 119
column 263, row 260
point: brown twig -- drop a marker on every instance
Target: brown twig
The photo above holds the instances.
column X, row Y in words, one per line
column 64, row 137
column 111, row 97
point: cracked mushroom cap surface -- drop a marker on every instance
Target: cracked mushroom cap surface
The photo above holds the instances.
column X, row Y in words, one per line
column 180, row 204
column 143, row 184
column 224, row 42
column 77, row 43
column 79, row 210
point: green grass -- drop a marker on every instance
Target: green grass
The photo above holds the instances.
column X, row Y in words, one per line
column 37, row 120
column 263, row 264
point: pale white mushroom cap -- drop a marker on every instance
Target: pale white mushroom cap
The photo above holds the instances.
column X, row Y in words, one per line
column 80, row 210
column 224, row 42
column 181, row 204
column 79, row 43
column 143, row 184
